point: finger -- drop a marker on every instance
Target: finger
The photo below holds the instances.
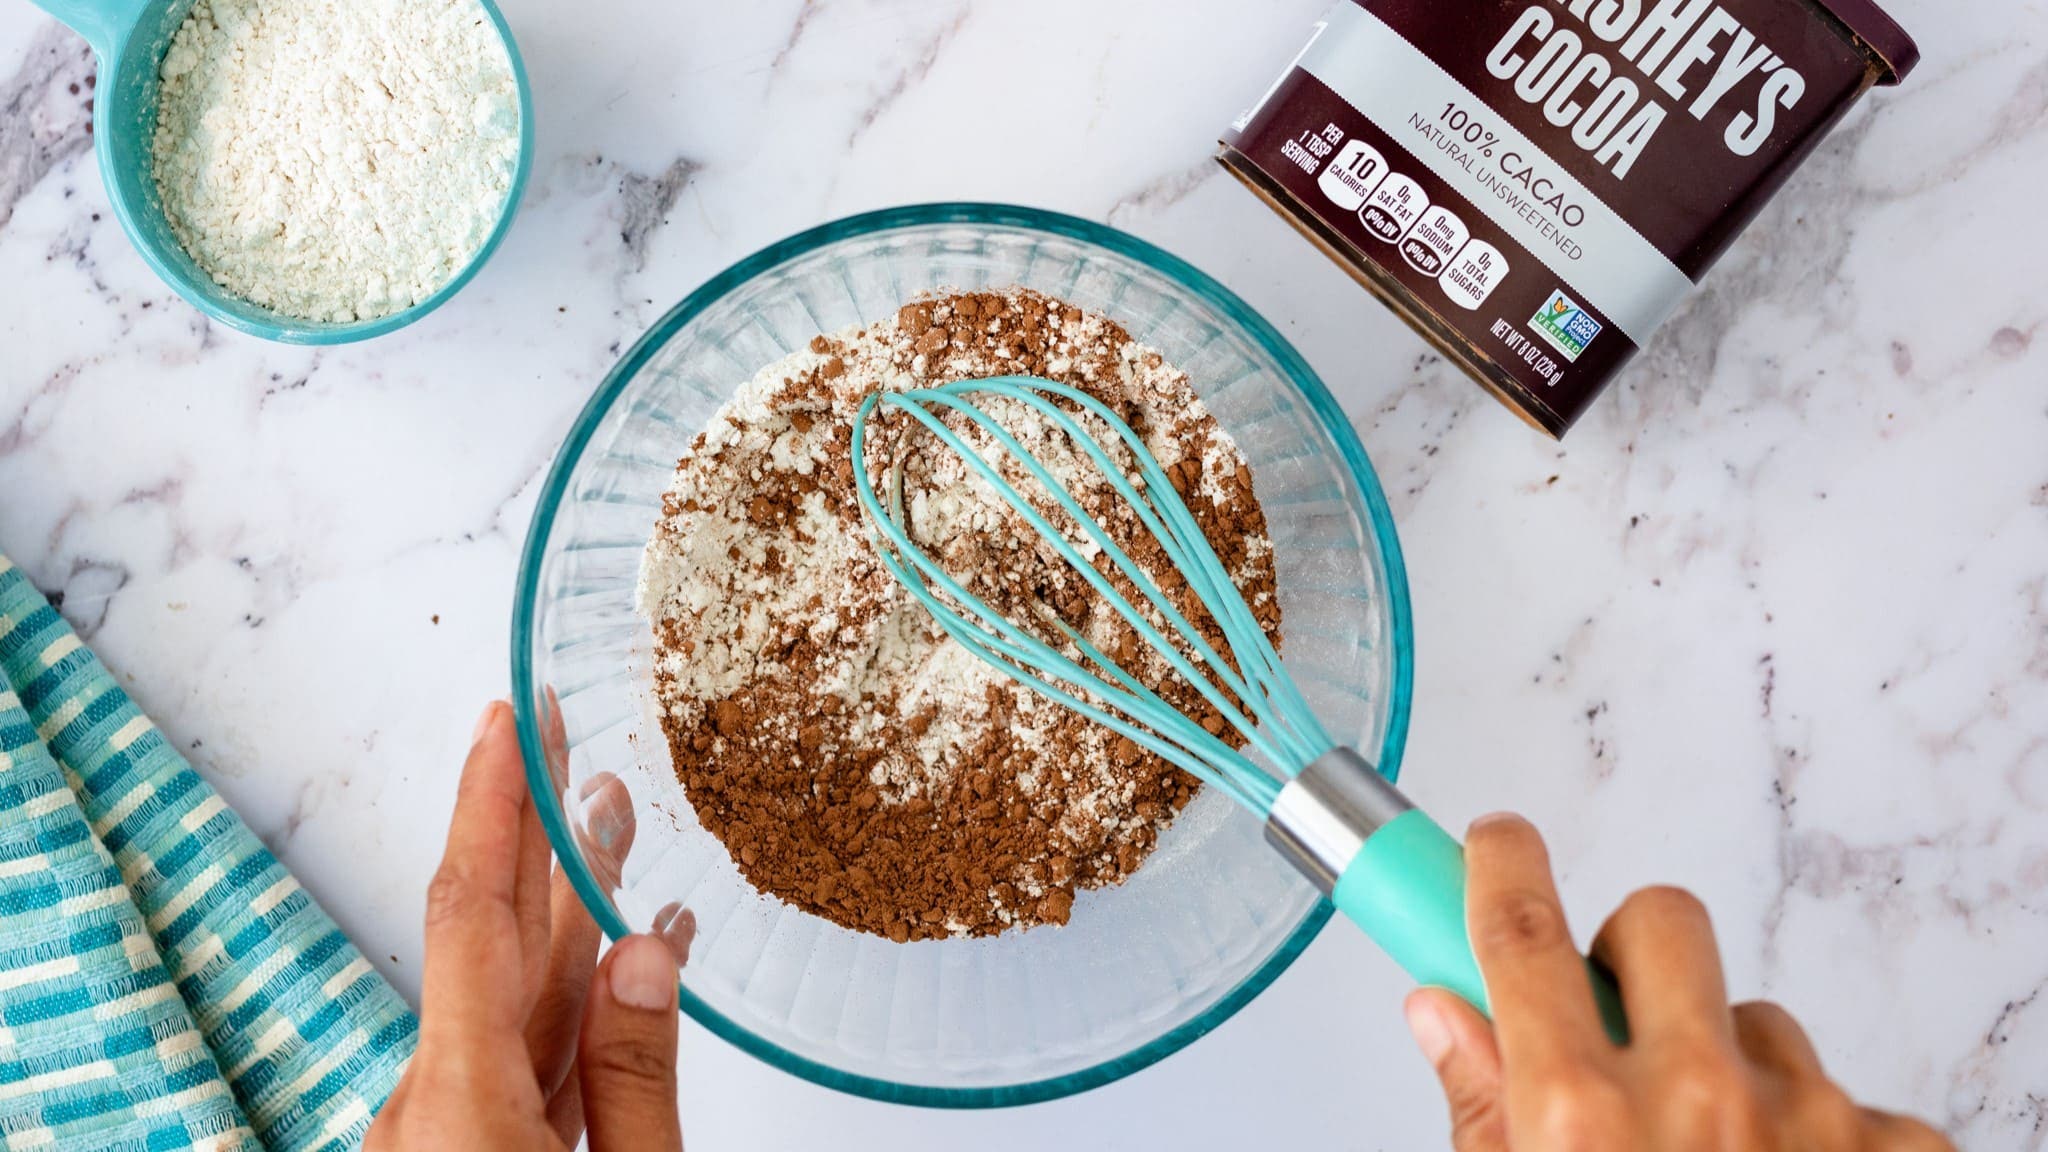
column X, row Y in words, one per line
column 605, row 826
column 1457, row 1042
column 558, row 1013
column 554, row 740
column 627, row 1059
column 677, row 927
column 532, row 895
column 1536, row 982
column 1774, row 1041
column 1660, row 946
column 382, row 1134
column 565, row 1111
column 472, row 928
column 1812, row 1112
column 1890, row 1133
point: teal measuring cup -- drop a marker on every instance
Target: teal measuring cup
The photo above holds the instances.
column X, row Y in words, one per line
column 130, row 37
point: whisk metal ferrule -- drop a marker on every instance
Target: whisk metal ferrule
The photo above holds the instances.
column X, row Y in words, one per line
column 1322, row 818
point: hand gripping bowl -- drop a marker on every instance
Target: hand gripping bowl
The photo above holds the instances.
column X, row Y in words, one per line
column 1210, row 920
column 129, row 39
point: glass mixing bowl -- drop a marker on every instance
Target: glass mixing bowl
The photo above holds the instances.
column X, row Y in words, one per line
column 1142, row 969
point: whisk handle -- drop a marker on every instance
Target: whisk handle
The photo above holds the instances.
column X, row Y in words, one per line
column 1406, row 889
column 1396, row 874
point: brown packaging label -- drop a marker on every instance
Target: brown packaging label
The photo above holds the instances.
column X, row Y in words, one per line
column 1544, row 180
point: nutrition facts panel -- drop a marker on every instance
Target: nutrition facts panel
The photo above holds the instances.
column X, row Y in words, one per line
column 1395, row 210
column 1471, row 275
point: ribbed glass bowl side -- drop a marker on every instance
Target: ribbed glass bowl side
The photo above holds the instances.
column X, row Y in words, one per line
column 1142, row 969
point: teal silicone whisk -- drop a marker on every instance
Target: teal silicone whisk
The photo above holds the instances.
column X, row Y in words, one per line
column 1382, row 861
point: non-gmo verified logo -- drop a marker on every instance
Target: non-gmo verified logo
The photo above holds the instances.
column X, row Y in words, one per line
column 1566, row 325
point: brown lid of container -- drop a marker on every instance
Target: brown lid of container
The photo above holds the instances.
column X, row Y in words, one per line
column 1880, row 34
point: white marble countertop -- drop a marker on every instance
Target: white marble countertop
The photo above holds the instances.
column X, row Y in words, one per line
column 1774, row 625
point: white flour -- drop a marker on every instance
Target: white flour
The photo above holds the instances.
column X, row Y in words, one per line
column 710, row 566
column 821, row 721
column 335, row 160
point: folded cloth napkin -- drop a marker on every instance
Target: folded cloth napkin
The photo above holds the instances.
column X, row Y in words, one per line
column 164, row 982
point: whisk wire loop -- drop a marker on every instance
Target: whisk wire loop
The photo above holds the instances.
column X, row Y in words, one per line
column 1171, row 523
column 1171, row 526
column 1285, row 732
column 1026, row 659
column 1138, row 577
column 1220, row 766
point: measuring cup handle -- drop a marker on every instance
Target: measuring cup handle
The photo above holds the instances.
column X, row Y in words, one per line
column 105, row 24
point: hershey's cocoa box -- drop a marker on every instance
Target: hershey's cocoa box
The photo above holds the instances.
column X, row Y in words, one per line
column 1536, row 184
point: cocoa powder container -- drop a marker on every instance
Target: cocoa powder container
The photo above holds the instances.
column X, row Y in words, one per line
column 1536, row 184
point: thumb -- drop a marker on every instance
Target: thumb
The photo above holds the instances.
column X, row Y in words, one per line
column 626, row 1055
column 1459, row 1044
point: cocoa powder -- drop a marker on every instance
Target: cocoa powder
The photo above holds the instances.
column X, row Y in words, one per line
column 855, row 761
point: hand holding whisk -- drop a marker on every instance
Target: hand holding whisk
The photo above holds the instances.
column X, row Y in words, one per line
column 1383, row 862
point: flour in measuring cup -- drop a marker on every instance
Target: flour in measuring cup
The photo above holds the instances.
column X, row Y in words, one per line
column 335, row 160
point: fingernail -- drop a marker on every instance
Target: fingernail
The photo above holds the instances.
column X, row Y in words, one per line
column 607, row 813
column 484, row 722
column 643, row 974
column 1432, row 1033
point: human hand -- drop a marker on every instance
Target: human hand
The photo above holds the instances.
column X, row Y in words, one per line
column 1697, row 1075
column 511, row 967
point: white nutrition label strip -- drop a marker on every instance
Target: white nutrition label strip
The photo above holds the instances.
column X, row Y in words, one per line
column 1432, row 239
column 1390, row 81
column 1472, row 276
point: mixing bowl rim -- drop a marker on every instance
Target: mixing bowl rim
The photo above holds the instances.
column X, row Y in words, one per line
column 1321, row 403
column 286, row 329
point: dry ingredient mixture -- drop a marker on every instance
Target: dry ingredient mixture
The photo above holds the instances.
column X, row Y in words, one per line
column 854, row 760
column 335, row 160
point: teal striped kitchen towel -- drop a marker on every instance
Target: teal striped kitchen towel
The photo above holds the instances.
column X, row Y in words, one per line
column 164, row 982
